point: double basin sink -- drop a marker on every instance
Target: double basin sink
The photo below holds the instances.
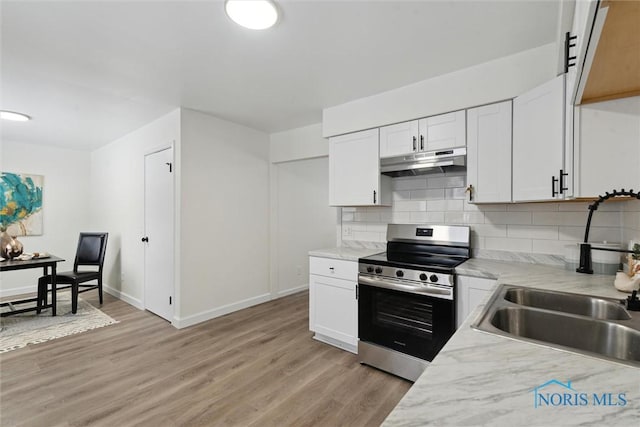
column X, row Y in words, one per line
column 593, row 326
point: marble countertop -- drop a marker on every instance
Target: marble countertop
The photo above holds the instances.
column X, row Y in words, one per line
column 484, row 379
column 345, row 253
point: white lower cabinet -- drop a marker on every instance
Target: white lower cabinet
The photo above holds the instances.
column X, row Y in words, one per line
column 471, row 291
column 333, row 307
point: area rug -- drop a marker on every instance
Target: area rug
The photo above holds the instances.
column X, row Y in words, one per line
column 29, row 328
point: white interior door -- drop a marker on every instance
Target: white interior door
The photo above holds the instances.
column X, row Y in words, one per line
column 159, row 231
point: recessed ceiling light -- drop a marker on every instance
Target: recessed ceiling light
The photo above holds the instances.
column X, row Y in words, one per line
column 13, row 116
column 253, row 14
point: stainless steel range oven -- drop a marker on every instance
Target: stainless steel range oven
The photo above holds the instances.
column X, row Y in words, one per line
column 406, row 297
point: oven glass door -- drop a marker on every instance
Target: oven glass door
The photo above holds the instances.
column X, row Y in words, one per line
column 417, row 325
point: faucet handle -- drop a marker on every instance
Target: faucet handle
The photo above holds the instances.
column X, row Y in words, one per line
column 633, row 303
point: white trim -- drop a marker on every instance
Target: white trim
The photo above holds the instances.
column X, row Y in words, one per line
column 18, row 291
column 291, row 291
column 137, row 303
column 336, row 343
column 203, row 316
column 588, row 50
column 274, row 231
column 158, row 149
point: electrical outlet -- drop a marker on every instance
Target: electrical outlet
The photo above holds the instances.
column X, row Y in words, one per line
column 299, row 270
column 347, row 231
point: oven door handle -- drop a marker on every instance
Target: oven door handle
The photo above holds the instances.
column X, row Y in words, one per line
column 422, row 290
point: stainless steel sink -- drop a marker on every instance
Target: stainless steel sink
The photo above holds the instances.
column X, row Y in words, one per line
column 598, row 327
column 583, row 305
column 581, row 333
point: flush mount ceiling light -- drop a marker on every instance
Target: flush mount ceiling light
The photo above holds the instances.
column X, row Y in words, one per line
column 252, row 14
column 13, row 116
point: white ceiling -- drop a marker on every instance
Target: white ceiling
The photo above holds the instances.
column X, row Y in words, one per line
column 90, row 72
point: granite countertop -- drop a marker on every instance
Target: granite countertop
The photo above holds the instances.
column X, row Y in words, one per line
column 484, row 379
column 345, row 253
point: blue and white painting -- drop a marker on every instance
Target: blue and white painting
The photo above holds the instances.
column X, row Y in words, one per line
column 21, row 204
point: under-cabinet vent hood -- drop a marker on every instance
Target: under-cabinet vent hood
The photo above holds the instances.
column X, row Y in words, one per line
column 449, row 160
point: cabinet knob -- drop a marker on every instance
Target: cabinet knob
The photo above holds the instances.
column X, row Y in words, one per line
column 414, row 143
column 421, row 142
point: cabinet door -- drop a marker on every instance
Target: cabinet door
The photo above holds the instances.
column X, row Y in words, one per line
column 609, row 141
column 538, row 142
column 471, row 292
column 489, row 152
column 354, row 169
column 587, row 34
column 335, row 309
column 399, row 139
column 443, row 131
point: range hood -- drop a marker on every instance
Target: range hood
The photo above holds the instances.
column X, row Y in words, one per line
column 450, row 160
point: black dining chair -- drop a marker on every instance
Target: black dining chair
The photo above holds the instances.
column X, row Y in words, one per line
column 90, row 253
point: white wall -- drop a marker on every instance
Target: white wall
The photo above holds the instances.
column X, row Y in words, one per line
column 224, row 217
column 117, row 202
column 303, row 221
column 300, row 143
column 492, row 81
column 65, row 206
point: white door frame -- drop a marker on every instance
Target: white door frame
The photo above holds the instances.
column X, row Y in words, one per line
column 153, row 150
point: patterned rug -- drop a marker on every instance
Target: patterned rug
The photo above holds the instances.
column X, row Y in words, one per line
column 29, row 328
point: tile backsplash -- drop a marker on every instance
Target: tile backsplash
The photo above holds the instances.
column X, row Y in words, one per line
column 631, row 221
column 533, row 228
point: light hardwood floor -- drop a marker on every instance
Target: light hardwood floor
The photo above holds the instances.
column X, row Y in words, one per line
column 255, row 367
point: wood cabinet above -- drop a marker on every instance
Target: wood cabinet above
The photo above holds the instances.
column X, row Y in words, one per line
column 612, row 65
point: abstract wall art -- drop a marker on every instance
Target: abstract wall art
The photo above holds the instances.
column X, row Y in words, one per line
column 21, row 203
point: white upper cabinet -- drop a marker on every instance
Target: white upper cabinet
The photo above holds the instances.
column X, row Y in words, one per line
column 444, row 131
column 354, row 171
column 429, row 134
column 489, row 152
column 538, row 143
column 399, row 139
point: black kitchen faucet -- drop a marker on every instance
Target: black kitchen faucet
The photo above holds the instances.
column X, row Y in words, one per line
column 585, row 248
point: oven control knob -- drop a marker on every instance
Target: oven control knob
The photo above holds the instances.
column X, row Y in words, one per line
column 378, row 270
column 423, row 276
column 399, row 273
column 433, row 278
column 369, row 269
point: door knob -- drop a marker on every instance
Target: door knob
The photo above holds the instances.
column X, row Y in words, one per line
column 145, row 239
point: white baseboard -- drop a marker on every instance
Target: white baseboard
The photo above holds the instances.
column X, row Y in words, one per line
column 18, row 291
column 124, row 297
column 203, row 316
column 336, row 343
column 291, row 291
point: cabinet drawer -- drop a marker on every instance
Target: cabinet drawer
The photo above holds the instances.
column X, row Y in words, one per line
column 339, row 269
